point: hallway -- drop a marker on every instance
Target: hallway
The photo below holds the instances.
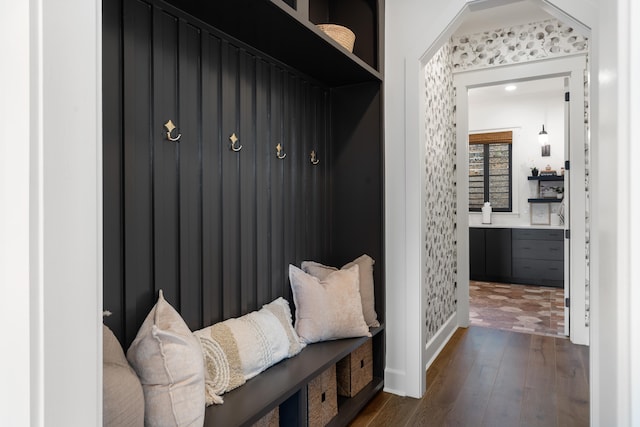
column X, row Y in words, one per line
column 490, row 377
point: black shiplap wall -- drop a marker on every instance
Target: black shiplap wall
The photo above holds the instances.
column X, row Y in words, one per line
column 215, row 229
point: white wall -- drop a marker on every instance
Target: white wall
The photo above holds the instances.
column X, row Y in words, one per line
column 14, row 216
column 524, row 114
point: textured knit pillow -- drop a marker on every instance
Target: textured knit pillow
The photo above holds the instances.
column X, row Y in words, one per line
column 168, row 360
column 327, row 309
column 238, row 349
column 122, row 396
column 367, row 294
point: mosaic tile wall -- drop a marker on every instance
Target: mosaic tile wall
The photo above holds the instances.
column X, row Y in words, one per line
column 440, row 192
column 516, row 44
column 521, row 43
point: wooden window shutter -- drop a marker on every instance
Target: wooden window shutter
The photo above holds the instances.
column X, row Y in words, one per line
column 491, row 138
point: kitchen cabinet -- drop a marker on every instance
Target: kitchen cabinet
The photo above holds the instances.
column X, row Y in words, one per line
column 533, row 256
column 490, row 254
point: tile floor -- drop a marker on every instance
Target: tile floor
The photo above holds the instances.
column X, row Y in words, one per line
column 522, row 308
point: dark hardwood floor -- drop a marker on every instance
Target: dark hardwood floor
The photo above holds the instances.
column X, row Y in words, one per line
column 490, row 377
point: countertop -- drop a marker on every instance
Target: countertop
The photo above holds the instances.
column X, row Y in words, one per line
column 545, row 227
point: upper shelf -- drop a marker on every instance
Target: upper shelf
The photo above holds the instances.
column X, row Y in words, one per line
column 546, row 178
column 287, row 35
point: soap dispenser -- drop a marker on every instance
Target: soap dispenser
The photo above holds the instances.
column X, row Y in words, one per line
column 486, row 213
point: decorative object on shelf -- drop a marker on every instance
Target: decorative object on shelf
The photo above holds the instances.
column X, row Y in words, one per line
column 543, row 139
column 279, row 153
column 234, row 140
column 169, row 126
column 559, row 191
column 313, row 158
column 486, row 213
column 548, row 171
column 534, row 171
column 540, row 214
column 344, row 36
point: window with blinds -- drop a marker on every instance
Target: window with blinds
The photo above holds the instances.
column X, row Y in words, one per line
column 490, row 177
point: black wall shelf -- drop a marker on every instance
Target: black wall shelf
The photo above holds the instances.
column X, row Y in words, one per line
column 545, row 200
column 546, row 178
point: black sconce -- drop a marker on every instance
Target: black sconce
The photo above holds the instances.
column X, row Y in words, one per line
column 543, row 138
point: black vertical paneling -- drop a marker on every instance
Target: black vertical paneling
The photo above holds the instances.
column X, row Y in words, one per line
column 289, row 180
column 165, row 158
column 314, row 192
column 212, row 146
column 278, row 262
column 305, row 239
column 190, row 176
column 212, row 227
column 325, row 182
column 231, row 183
column 112, row 102
column 248, row 183
column 138, row 152
column 357, row 177
column 264, row 157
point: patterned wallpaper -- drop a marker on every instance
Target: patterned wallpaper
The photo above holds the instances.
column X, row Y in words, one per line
column 516, row 44
column 440, row 192
column 509, row 45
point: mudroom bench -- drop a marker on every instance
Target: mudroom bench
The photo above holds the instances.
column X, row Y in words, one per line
column 284, row 385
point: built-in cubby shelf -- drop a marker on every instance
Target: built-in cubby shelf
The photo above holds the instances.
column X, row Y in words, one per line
column 286, row 31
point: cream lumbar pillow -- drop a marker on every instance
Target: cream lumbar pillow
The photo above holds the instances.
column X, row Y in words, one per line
column 365, row 263
column 327, row 309
column 240, row 348
column 168, row 360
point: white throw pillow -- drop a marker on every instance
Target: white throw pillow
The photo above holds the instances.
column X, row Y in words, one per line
column 168, row 360
column 367, row 290
column 327, row 309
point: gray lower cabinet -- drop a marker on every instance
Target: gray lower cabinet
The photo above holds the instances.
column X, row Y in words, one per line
column 538, row 257
column 527, row 256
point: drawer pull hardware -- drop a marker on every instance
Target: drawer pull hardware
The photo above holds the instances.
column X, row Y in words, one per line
column 314, row 159
column 234, row 140
column 170, row 127
column 279, row 153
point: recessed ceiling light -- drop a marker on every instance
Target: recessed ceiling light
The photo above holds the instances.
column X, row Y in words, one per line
column 510, row 88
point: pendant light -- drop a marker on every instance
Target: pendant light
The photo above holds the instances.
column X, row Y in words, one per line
column 543, row 138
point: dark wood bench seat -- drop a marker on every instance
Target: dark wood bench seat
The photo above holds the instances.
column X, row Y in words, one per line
column 285, row 383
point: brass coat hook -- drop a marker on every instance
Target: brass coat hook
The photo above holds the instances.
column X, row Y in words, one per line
column 169, row 126
column 234, row 139
column 313, row 158
column 279, row 153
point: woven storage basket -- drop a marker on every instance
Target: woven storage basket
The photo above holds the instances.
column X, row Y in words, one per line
column 341, row 34
column 355, row 371
column 322, row 398
column 272, row 419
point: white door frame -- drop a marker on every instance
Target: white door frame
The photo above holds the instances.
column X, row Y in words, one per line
column 572, row 67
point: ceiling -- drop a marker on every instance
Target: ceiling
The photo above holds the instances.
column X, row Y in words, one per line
column 540, row 87
column 490, row 18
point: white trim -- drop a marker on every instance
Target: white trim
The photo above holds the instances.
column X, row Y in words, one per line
column 440, row 340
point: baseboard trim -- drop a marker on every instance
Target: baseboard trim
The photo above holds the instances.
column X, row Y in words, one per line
column 394, row 382
column 440, row 339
